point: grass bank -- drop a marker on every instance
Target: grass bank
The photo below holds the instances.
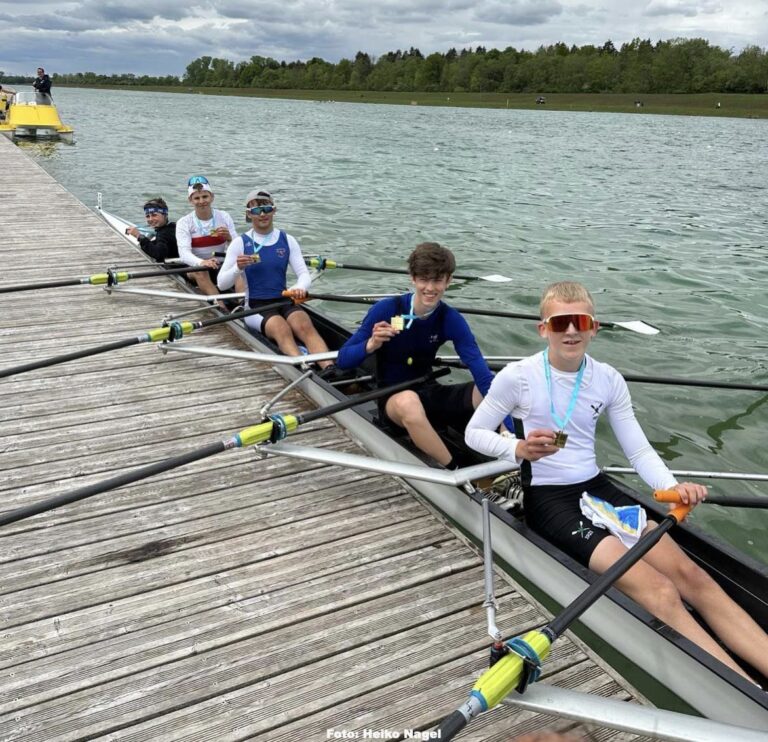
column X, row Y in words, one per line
column 703, row 104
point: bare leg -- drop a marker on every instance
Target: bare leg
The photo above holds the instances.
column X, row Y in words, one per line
column 301, row 325
column 657, row 593
column 405, row 409
column 276, row 328
column 727, row 619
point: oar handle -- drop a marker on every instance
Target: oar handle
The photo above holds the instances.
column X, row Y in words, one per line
column 734, row 502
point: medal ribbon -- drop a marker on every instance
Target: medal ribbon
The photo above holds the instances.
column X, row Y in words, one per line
column 199, row 224
column 412, row 314
column 256, row 249
column 574, row 395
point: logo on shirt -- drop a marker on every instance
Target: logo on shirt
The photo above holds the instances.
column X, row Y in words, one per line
column 582, row 531
column 280, row 252
column 434, row 338
column 596, row 407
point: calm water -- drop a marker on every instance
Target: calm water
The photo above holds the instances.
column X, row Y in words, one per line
column 664, row 219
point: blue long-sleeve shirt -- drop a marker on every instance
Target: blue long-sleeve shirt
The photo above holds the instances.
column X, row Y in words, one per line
column 412, row 352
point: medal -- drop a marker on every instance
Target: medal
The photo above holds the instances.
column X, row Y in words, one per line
column 560, row 439
column 397, row 323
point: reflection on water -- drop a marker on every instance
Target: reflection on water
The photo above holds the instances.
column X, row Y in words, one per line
column 664, row 218
column 41, row 149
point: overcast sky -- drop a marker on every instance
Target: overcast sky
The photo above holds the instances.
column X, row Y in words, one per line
column 160, row 37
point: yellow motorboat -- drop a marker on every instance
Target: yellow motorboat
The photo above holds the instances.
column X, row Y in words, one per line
column 33, row 115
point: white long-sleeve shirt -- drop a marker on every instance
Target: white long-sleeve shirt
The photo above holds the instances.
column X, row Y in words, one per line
column 192, row 236
column 520, row 390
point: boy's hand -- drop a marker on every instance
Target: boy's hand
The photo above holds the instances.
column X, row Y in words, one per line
column 537, row 445
column 382, row 333
column 690, row 493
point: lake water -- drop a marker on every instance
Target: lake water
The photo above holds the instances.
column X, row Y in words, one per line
column 663, row 218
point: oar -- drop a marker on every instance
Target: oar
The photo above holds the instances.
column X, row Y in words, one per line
column 669, row 380
column 742, row 476
column 273, row 429
column 729, row 502
column 110, row 278
column 506, row 675
column 635, row 325
column 324, row 263
column 172, row 331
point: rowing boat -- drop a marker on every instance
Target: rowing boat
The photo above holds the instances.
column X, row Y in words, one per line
column 693, row 675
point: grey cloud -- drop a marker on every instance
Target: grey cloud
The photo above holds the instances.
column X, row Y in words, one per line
column 687, row 8
column 520, row 12
column 138, row 12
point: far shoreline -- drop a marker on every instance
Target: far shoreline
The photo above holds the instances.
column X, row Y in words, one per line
column 732, row 105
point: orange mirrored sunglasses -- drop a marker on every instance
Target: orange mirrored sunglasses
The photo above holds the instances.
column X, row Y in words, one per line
column 561, row 322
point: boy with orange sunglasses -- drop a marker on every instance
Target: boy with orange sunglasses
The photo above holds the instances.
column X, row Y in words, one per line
column 558, row 395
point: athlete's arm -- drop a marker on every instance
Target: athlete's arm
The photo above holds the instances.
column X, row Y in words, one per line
column 508, row 396
column 229, row 270
column 355, row 350
column 298, row 266
column 184, row 242
column 633, row 441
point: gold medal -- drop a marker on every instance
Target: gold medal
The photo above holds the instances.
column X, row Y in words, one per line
column 561, row 439
column 397, row 323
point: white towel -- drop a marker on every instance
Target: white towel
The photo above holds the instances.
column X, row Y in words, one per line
column 627, row 523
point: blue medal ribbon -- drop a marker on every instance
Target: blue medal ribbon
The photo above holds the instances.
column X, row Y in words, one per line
column 256, row 249
column 412, row 314
column 200, row 224
column 574, row 395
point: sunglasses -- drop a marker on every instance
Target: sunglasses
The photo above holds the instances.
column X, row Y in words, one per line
column 259, row 210
column 155, row 210
column 198, row 179
column 561, row 322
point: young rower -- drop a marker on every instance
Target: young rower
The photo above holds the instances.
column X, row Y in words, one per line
column 405, row 332
column 204, row 233
column 559, row 395
column 162, row 245
column 262, row 255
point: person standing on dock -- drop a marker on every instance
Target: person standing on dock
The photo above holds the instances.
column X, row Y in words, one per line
column 260, row 259
column 405, row 332
column 42, row 83
column 162, row 245
column 558, row 395
column 203, row 235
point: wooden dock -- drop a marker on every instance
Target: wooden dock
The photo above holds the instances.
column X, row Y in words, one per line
column 235, row 598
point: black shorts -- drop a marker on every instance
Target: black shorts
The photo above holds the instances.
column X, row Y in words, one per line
column 446, row 405
column 553, row 511
column 282, row 311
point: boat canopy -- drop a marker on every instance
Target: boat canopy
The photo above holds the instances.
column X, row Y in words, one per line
column 33, row 99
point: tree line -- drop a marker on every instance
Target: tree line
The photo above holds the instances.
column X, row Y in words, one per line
column 672, row 66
